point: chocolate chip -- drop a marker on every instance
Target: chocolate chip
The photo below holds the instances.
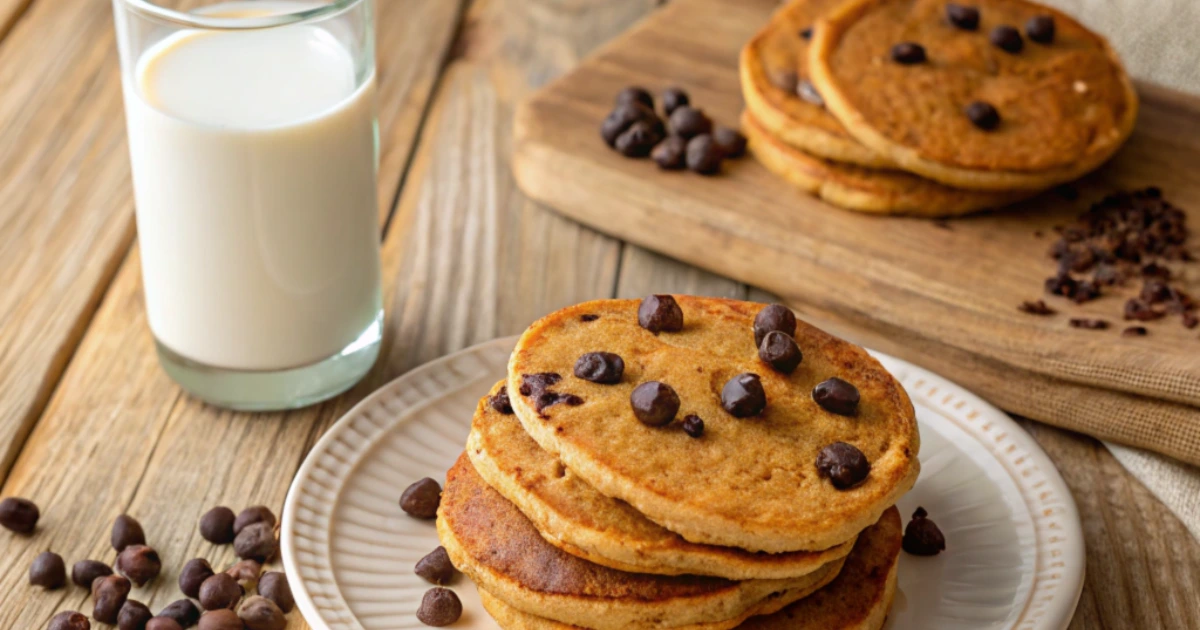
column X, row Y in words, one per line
column 134, row 615
column 654, row 403
column 908, row 53
column 1036, row 308
column 223, row 619
column 806, row 33
column 532, row 384
column 48, row 571
column 84, row 572
column 670, row 154
column 1135, row 331
column 983, row 115
column 843, row 464
column 251, row 515
column 605, row 368
column 703, row 155
column 964, row 17
column 773, row 317
column 260, row 613
column 1088, row 324
column 638, row 140
column 436, row 567
column 500, row 402
column 216, row 526
column 1085, row 291
column 246, row 573
column 622, row 118
column 635, row 94
column 1006, row 38
column 164, row 623
column 1040, row 28
column 18, row 515
column 809, row 93
column 693, row 425
column 673, row 98
column 220, row 591
column 182, row 611
column 731, row 141
column 109, row 594
column 1138, row 309
column 588, row 317
column 127, row 531
column 256, row 542
column 194, row 573
column 69, row 620
column 139, row 563
column 687, row 121
column 836, row 396
column 743, row 396
column 421, row 499
column 550, row 399
column 274, row 586
column 439, row 607
column 780, row 351
column 1061, row 284
column 660, row 313
column 922, row 537
column 1190, row 320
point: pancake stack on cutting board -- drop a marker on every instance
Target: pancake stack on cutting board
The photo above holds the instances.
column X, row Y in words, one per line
column 683, row 462
column 931, row 108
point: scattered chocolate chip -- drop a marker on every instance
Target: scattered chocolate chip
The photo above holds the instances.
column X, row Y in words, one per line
column 182, row 611
column 275, row 587
column 1085, row 291
column 220, row 590
column 546, row 400
column 139, row 563
column 500, row 402
column 780, row 351
column 246, row 573
column 436, row 567
column 660, row 313
column 69, row 620
column 635, row 94
column 964, row 17
column 1040, row 28
column 532, row 384
column 1190, row 320
column 256, row 542
column 134, row 615
column 687, row 121
column 908, row 53
column 216, row 526
column 1006, row 38
column 670, row 154
column 983, row 115
column 194, row 573
column 422, row 498
column 693, row 425
column 730, row 141
column 126, row 531
column 809, row 93
column 1135, row 331
column 806, row 33
column 743, row 396
column 655, row 404
column 589, row 317
column 922, row 537
column 773, row 317
column 439, row 607
column 1138, row 309
column 260, row 613
column 109, row 594
column 673, row 98
column 48, row 571
column 1155, row 291
column 836, row 396
column 223, row 619
column 605, row 368
column 1061, row 284
column 164, row 623
column 84, row 572
column 843, row 464
column 1036, row 308
column 703, row 155
column 1088, row 324
column 638, row 140
column 251, row 515
column 623, row 117
column 18, row 515
column 1106, row 275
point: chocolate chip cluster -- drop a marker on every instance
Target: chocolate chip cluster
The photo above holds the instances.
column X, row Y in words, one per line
column 687, row 139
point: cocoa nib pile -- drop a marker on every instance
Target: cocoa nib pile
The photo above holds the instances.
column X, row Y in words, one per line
column 1124, row 239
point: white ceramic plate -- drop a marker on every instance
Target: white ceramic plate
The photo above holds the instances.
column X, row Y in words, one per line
column 1014, row 555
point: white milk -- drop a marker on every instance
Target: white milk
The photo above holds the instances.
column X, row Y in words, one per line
column 254, row 167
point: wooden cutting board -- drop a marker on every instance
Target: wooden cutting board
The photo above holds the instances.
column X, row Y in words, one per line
column 941, row 293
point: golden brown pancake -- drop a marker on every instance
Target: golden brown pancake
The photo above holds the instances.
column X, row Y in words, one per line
column 750, row 482
column 574, row 517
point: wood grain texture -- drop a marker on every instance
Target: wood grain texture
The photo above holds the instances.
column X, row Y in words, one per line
column 901, row 274
column 119, row 436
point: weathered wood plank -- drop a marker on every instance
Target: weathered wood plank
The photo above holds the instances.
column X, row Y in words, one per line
column 10, row 12
column 644, row 272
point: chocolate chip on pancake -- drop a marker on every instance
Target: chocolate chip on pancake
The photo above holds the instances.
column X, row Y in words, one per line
column 545, row 400
column 421, row 499
column 731, row 141
column 780, row 351
column 983, row 115
column 670, row 154
column 693, row 425
column 687, row 121
column 743, row 396
column 674, row 98
column 660, row 313
column 1006, row 38
column 703, row 155
column 655, row 404
column 964, row 17
column 922, row 536
column 908, row 53
column 771, row 318
column 635, row 94
column 588, row 317
column 843, row 464
column 605, row 368
column 836, row 396
column 500, row 402
column 532, row 384
column 1040, row 28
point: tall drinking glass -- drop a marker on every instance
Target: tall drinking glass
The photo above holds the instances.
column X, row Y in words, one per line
column 254, row 146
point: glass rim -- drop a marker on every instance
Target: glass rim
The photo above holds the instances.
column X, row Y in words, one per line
column 149, row 8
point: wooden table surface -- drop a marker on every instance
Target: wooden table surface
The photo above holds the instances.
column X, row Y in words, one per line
column 90, row 427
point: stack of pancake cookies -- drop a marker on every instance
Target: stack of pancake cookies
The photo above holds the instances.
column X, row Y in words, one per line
column 683, row 462
column 928, row 107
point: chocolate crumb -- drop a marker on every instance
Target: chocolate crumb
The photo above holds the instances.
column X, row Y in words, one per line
column 1088, row 324
column 1135, row 331
column 589, row 317
column 1036, row 308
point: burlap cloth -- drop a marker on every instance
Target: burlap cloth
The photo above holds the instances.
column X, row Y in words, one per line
column 1158, row 41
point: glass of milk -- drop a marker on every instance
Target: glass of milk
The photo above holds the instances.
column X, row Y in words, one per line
column 254, row 146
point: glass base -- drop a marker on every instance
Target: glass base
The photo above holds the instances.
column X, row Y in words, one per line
column 256, row 390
